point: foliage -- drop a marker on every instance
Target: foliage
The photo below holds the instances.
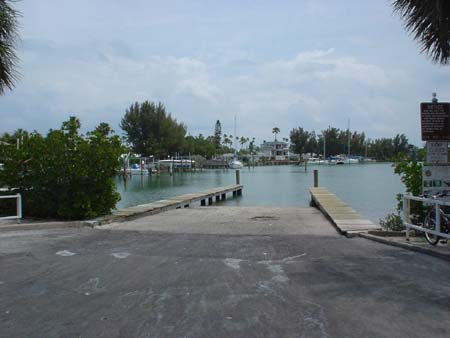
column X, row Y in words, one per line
column 200, row 145
column 336, row 142
column 64, row 174
column 300, row 141
column 152, row 131
column 275, row 131
column 218, row 135
column 410, row 172
column 429, row 22
column 8, row 41
column 392, row 222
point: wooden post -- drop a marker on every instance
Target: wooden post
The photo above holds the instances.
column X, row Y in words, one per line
column 316, row 178
column 238, row 177
column 210, row 200
column 406, row 208
column 224, row 197
column 217, row 198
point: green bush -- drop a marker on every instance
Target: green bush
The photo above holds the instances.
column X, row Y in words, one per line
column 410, row 172
column 392, row 222
column 65, row 174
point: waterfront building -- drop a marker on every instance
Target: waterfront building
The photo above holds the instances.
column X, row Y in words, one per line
column 275, row 150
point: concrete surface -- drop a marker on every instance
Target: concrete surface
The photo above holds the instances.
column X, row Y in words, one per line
column 419, row 244
column 296, row 279
column 233, row 220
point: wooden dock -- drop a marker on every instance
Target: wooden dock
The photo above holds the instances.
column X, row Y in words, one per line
column 346, row 220
column 184, row 201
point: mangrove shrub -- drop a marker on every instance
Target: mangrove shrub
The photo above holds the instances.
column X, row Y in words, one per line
column 64, row 174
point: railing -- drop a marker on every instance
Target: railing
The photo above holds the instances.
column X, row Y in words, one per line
column 435, row 203
column 18, row 206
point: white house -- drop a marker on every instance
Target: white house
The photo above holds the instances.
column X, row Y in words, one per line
column 276, row 150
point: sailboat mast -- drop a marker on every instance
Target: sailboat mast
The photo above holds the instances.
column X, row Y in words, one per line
column 235, row 136
column 348, row 131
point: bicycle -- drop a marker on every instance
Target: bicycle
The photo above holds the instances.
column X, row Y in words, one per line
column 430, row 222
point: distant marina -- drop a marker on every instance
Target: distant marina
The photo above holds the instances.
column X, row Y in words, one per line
column 369, row 188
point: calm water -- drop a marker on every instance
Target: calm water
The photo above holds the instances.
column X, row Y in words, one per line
column 369, row 188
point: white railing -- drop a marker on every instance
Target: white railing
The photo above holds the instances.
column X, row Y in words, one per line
column 18, row 206
column 435, row 203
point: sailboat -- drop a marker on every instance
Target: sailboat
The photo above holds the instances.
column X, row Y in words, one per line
column 235, row 163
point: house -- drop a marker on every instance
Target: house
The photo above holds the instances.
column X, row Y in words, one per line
column 275, row 151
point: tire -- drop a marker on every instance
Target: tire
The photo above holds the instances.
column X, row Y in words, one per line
column 430, row 223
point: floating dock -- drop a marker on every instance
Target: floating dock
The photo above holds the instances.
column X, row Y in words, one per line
column 343, row 217
column 184, row 201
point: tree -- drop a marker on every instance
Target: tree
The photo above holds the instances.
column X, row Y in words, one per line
column 429, row 22
column 200, row 145
column 8, row 41
column 64, row 174
column 275, row 131
column 243, row 140
column 299, row 140
column 218, row 135
column 152, row 131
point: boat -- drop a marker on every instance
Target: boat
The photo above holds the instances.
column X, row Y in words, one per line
column 235, row 164
column 313, row 160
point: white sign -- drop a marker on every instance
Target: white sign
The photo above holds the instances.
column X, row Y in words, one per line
column 435, row 179
column 437, row 152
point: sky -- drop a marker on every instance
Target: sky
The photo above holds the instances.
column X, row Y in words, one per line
column 300, row 63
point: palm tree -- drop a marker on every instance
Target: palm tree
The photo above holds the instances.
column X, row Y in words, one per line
column 429, row 22
column 275, row 131
column 8, row 41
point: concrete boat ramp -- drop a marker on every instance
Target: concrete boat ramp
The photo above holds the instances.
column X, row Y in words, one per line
column 218, row 271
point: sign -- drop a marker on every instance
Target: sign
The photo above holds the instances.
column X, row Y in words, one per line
column 435, row 179
column 435, row 120
column 437, row 152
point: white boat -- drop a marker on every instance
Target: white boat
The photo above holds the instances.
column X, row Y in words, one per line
column 235, row 164
column 313, row 160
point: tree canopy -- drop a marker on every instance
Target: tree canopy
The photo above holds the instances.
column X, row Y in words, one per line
column 63, row 174
column 336, row 142
column 152, row 131
column 8, row 42
column 429, row 22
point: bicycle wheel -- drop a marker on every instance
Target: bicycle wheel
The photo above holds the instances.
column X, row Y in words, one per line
column 430, row 223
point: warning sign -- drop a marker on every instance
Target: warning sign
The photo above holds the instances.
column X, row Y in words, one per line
column 435, row 120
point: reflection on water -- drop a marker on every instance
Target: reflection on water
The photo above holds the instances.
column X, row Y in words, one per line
column 370, row 188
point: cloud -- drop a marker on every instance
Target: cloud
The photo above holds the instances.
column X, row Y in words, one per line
column 313, row 89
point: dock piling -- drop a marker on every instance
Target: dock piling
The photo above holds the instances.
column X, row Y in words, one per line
column 238, row 177
column 316, row 178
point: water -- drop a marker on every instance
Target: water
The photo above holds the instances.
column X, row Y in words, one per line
column 370, row 189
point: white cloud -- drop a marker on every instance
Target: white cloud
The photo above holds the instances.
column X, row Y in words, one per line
column 313, row 89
